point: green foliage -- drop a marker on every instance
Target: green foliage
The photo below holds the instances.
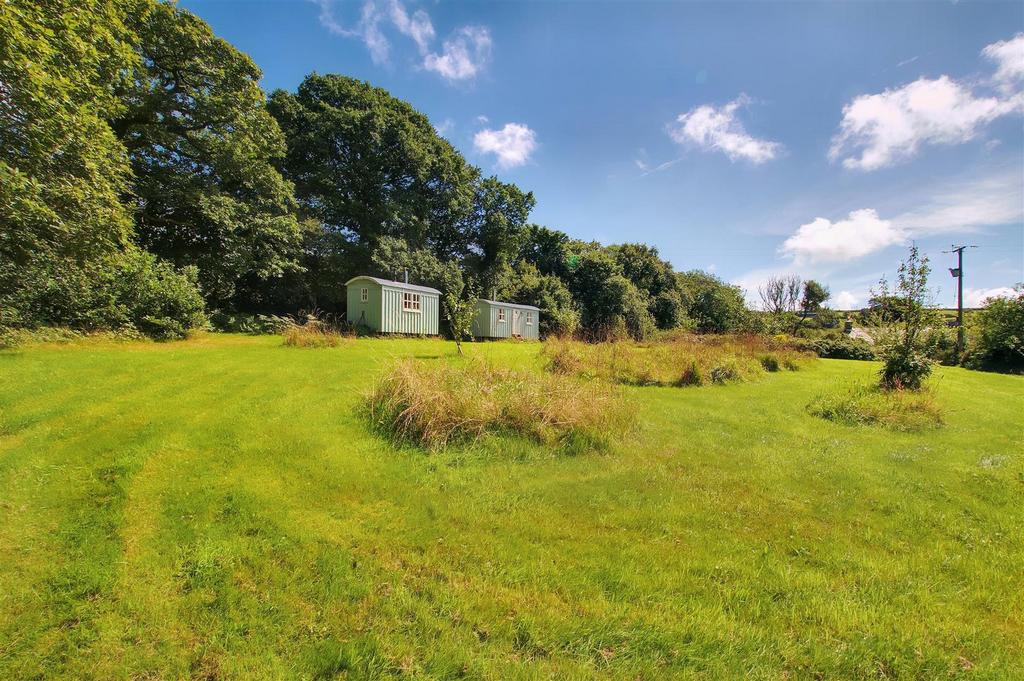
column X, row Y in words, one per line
column 62, row 172
column 156, row 299
column 868, row 405
column 458, row 304
column 202, row 148
column 367, row 165
column 497, row 228
column 997, row 335
column 559, row 315
column 901, row 343
column 843, row 347
column 714, row 306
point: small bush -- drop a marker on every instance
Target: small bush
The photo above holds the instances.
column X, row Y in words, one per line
column 692, row 375
column 725, row 371
column 770, row 363
column 870, row 405
column 904, row 368
column 435, row 405
column 311, row 332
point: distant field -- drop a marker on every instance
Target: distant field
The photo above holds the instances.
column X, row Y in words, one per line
column 216, row 508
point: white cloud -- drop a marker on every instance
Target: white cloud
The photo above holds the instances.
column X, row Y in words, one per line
column 996, row 200
column 462, row 56
column 513, row 144
column 976, row 297
column 844, row 300
column 822, row 240
column 1009, row 58
column 418, row 26
column 718, row 129
column 879, row 130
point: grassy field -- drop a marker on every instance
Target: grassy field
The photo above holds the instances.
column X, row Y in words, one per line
column 217, row 508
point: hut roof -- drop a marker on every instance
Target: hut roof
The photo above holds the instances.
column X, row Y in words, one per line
column 394, row 284
column 504, row 304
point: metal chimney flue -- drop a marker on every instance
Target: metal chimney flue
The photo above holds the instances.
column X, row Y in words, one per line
column 407, row 276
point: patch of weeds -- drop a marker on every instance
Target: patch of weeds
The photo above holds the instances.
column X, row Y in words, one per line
column 358, row 659
column 673, row 359
column 312, row 332
column 725, row 371
column 902, row 410
column 435, row 405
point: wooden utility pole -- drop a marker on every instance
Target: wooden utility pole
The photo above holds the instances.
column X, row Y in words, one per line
column 959, row 274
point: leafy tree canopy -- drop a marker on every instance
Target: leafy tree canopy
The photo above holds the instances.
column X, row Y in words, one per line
column 202, row 147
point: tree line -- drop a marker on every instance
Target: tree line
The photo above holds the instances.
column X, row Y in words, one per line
column 146, row 180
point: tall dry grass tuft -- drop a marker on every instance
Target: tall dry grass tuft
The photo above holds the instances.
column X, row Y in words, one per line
column 674, row 359
column 905, row 410
column 438, row 404
column 310, row 331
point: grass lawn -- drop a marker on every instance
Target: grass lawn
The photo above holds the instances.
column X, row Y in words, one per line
column 217, row 508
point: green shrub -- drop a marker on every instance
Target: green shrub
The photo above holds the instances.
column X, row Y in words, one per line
column 133, row 291
column 840, row 348
column 158, row 300
column 770, row 363
column 725, row 371
column 692, row 375
column 439, row 404
column 998, row 334
column 870, row 405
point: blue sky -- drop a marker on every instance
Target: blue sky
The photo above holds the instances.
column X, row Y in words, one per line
column 750, row 139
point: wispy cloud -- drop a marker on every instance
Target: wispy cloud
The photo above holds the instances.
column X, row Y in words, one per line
column 883, row 129
column 512, row 145
column 462, row 56
column 719, row 129
column 965, row 207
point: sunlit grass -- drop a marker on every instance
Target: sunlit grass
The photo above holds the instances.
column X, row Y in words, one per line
column 220, row 508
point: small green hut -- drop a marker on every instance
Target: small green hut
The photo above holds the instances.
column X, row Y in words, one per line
column 386, row 306
column 495, row 319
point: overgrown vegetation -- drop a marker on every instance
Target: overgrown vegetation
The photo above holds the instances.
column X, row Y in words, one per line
column 677, row 359
column 310, row 331
column 439, row 404
column 998, row 334
column 905, row 410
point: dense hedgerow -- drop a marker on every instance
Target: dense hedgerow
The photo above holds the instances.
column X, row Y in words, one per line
column 674, row 359
column 840, row 348
column 905, row 410
column 438, row 404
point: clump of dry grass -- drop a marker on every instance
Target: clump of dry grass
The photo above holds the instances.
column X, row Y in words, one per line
column 906, row 410
column 673, row 359
column 438, row 404
column 311, row 332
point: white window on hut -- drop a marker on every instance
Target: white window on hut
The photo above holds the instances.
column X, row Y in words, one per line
column 411, row 302
column 364, row 295
column 501, row 315
column 529, row 319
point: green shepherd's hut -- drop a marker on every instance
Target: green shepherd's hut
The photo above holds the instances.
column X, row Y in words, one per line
column 386, row 306
column 495, row 319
